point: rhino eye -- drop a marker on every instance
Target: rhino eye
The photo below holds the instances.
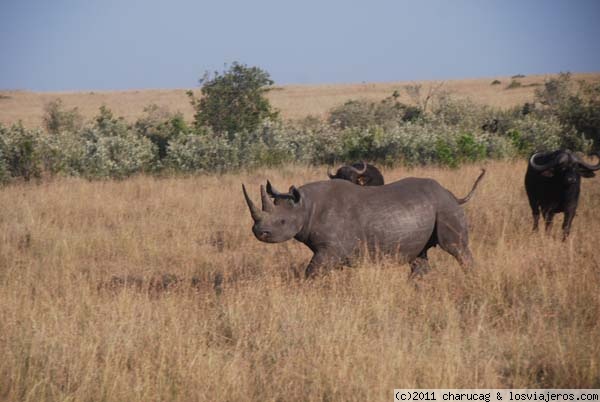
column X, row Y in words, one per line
column 282, row 222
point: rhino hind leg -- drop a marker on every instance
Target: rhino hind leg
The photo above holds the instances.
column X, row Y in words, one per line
column 452, row 237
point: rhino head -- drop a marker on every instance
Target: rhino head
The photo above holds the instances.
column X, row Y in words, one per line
column 280, row 218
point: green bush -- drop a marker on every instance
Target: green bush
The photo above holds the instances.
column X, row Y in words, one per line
column 445, row 154
column 161, row 127
column 532, row 133
column 469, row 148
column 462, row 113
column 116, row 156
column 201, row 152
column 452, row 131
column 408, row 143
column 364, row 113
column 575, row 104
column 63, row 153
column 56, row 119
column 112, row 149
column 354, row 114
column 4, row 171
column 234, row 100
column 19, row 148
column 269, row 145
column 514, row 84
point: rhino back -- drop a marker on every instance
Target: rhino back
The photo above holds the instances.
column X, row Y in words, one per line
column 398, row 217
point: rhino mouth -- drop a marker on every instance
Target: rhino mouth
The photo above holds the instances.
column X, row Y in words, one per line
column 263, row 235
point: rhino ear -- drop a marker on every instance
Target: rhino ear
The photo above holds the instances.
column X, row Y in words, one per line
column 295, row 194
column 270, row 188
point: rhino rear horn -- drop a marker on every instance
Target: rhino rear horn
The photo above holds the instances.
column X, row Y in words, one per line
column 267, row 203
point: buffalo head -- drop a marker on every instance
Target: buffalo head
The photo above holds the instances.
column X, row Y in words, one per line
column 562, row 164
column 280, row 218
column 349, row 173
column 360, row 173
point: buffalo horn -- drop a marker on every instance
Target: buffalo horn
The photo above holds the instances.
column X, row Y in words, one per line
column 545, row 166
column 361, row 171
column 329, row 173
column 587, row 165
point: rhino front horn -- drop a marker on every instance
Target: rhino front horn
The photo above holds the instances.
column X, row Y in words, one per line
column 256, row 213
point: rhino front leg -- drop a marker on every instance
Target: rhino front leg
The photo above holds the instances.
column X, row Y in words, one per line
column 420, row 265
column 321, row 261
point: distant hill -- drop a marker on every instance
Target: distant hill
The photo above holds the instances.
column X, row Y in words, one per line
column 294, row 101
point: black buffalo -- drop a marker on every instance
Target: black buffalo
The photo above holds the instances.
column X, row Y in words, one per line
column 553, row 182
column 360, row 173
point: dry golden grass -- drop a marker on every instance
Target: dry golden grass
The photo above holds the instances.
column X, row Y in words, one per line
column 294, row 101
column 527, row 316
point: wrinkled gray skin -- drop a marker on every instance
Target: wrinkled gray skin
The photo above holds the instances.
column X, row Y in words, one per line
column 337, row 220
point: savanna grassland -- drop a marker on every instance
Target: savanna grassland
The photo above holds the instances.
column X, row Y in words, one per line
column 154, row 289
column 294, row 101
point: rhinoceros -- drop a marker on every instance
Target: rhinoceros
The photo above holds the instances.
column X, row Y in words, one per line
column 338, row 220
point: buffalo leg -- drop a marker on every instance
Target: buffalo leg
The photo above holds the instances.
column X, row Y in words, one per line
column 420, row 265
column 535, row 211
column 320, row 262
column 548, row 217
column 536, row 219
column 566, row 226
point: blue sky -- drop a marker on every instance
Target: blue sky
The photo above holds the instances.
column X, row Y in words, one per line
column 84, row 45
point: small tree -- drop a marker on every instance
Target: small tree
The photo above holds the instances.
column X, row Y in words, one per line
column 161, row 127
column 233, row 101
column 421, row 100
column 576, row 104
column 19, row 149
column 57, row 119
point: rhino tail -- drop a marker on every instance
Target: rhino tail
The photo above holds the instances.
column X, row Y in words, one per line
column 468, row 197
